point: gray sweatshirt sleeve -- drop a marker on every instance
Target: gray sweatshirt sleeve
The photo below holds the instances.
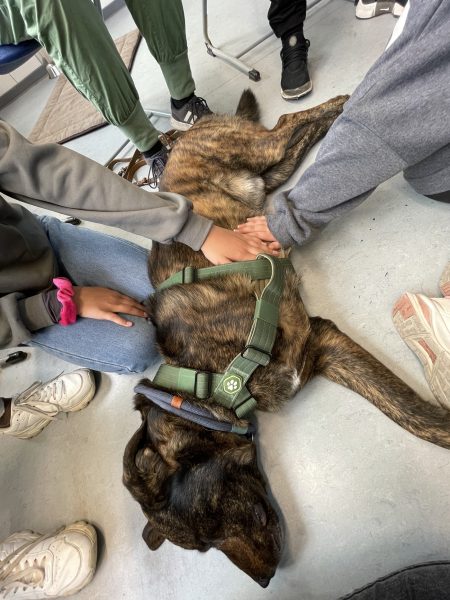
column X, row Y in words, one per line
column 396, row 120
column 351, row 162
column 53, row 177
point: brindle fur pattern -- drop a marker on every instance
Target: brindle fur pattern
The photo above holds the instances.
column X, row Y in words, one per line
column 199, row 488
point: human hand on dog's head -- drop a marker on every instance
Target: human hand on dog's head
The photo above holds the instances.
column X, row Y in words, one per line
column 224, row 246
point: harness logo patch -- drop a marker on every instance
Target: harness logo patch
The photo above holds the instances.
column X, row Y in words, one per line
column 232, row 384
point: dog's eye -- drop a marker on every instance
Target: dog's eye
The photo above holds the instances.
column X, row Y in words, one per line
column 260, row 514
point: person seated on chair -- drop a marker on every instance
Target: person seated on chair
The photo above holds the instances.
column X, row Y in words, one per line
column 89, row 59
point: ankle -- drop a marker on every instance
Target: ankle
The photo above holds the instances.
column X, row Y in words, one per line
column 180, row 103
column 297, row 33
column 153, row 150
column 5, row 419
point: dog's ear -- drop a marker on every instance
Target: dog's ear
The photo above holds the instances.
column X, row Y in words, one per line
column 152, row 537
column 242, row 454
column 145, row 474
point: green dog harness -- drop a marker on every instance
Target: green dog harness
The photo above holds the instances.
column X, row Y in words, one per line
column 229, row 389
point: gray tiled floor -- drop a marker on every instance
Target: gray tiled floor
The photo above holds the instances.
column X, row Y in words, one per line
column 360, row 497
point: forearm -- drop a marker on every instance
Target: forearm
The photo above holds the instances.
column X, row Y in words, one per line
column 20, row 316
column 351, row 162
column 53, row 177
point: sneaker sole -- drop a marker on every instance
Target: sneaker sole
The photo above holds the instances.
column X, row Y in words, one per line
column 180, row 125
column 444, row 281
column 297, row 93
column 420, row 337
column 368, row 11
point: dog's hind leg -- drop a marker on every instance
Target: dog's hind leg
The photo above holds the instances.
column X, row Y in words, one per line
column 307, row 136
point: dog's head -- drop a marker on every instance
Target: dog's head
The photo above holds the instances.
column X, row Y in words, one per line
column 202, row 489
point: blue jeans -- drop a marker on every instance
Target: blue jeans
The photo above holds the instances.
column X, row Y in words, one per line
column 428, row 581
column 90, row 258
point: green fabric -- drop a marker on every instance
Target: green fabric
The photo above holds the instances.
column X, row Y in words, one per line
column 74, row 35
column 230, row 388
column 256, row 269
column 164, row 30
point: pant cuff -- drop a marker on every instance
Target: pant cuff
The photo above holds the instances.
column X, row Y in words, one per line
column 139, row 129
column 178, row 76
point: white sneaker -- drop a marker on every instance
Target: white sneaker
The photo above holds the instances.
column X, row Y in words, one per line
column 366, row 9
column 424, row 324
column 36, row 407
column 34, row 566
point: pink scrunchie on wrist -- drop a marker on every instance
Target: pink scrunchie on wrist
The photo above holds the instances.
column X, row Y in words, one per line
column 65, row 292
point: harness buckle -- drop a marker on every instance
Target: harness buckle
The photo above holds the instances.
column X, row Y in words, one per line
column 257, row 355
column 202, row 384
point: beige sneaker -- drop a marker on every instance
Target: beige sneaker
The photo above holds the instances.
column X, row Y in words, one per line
column 34, row 566
column 444, row 281
column 36, row 407
column 424, row 324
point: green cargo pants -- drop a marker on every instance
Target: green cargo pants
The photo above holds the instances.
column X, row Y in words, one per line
column 74, row 35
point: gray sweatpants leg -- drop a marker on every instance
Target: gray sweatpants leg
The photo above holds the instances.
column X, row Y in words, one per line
column 432, row 175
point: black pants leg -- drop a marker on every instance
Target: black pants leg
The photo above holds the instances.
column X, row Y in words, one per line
column 286, row 16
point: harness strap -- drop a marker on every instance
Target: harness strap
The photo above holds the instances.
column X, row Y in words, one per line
column 230, row 388
column 256, row 269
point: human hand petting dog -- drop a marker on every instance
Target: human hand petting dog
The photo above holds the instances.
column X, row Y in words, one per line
column 257, row 228
column 104, row 304
column 224, row 246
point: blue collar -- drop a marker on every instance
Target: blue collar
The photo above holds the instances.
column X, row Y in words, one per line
column 196, row 414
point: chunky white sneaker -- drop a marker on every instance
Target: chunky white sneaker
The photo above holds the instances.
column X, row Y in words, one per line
column 34, row 566
column 424, row 324
column 444, row 281
column 36, row 407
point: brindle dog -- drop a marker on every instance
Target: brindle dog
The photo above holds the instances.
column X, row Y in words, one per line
column 200, row 488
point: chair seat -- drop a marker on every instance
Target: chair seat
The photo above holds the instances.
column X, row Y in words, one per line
column 14, row 55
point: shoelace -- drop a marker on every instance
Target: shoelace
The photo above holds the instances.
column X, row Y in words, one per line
column 47, row 396
column 291, row 54
column 199, row 107
column 156, row 169
column 11, row 578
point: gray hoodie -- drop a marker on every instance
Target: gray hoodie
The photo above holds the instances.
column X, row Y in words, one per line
column 53, row 177
column 398, row 119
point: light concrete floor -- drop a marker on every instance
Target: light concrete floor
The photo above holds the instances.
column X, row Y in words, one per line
column 360, row 496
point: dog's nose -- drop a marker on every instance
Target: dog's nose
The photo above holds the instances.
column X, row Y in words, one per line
column 264, row 581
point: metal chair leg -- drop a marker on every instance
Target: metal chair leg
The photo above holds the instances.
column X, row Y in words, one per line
column 234, row 61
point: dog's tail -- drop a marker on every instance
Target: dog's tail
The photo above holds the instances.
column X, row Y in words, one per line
column 248, row 107
column 343, row 361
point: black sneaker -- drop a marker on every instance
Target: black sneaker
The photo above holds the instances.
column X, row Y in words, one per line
column 366, row 9
column 156, row 164
column 183, row 118
column 295, row 80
